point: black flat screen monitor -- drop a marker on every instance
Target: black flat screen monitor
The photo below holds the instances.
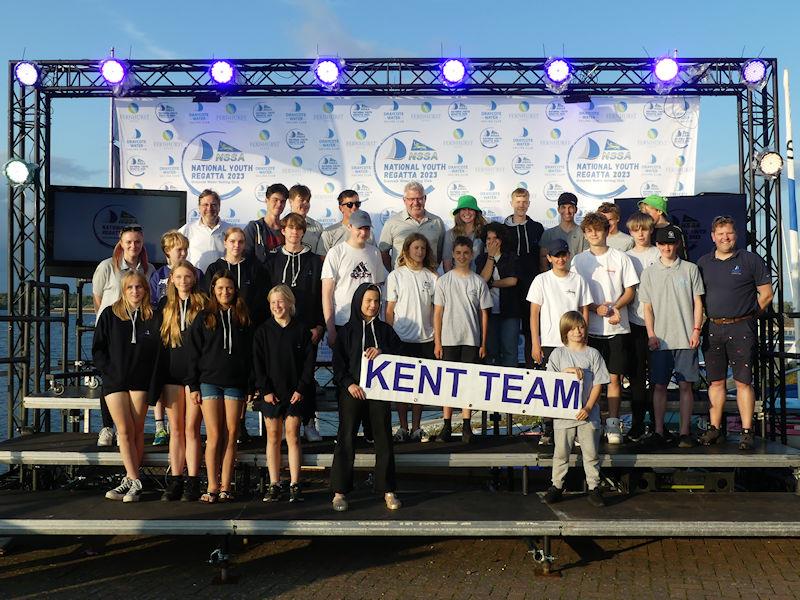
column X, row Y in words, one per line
column 83, row 224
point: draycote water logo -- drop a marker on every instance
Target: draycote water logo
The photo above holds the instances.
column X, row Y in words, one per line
column 490, row 113
column 166, row 113
column 296, row 115
column 360, row 112
column 329, row 141
column 402, row 157
column 598, row 166
column 490, row 138
column 108, row 221
column 523, row 141
column 263, row 112
column 209, row 160
column 458, row 111
column 393, row 114
column 295, row 139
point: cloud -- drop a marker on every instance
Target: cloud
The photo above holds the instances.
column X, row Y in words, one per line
column 148, row 47
column 322, row 28
column 69, row 170
column 718, row 179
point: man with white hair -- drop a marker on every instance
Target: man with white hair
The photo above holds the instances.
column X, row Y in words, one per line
column 414, row 219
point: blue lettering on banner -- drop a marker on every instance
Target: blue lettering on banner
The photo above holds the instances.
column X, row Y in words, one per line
column 457, row 373
column 537, row 392
column 489, row 377
column 425, row 375
column 398, row 375
column 566, row 397
column 508, row 387
column 376, row 373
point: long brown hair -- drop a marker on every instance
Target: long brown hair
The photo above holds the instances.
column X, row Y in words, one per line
column 122, row 309
column 240, row 313
column 427, row 262
column 119, row 251
column 459, row 227
column 171, row 323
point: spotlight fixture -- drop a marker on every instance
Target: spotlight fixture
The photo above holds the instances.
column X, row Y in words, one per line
column 27, row 73
column 557, row 74
column 222, row 72
column 754, row 74
column 20, row 173
column 666, row 74
column 327, row 71
column 768, row 164
column 113, row 70
column 453, row 71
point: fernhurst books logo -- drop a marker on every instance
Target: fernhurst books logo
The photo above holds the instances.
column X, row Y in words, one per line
column 108, row 221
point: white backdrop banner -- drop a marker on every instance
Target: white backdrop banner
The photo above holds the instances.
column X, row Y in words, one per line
column 484, row 146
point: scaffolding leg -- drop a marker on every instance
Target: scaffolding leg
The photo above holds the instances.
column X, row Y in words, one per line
column 543, row 556
column 796, row 473
column 525, row 480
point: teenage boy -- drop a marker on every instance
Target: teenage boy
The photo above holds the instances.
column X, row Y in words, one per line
column 612, row 280
column 338, row 233
column 552, row 294
column 263, row 236
column 526, row 235
column 671, row 292
column 461, row 304
column 616, row 239
column 566, row 229
column 656, row 206
column 643, row 254
column 300, row 203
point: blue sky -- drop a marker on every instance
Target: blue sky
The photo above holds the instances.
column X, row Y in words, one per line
column 87, row 29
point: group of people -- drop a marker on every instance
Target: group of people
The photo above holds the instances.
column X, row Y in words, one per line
column 237, row 314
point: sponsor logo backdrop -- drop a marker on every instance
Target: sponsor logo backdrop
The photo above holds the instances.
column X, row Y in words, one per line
column 485, row 146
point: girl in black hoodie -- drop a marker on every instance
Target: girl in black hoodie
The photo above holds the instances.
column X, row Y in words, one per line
column 221, row 348
column 125, row 351
column 283, row 361
column 364, row 335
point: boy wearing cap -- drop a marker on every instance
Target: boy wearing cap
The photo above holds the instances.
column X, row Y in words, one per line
column 566, row 230
column 671, row 293
column 612, row 280
column 616, row 239
column 526, row 235
column 656, row 206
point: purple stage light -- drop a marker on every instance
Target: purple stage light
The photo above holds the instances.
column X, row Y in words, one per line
column 454, row 71
column 754, row 71
column 221, row 72
column 327, row 71
column 113, row 71
column 26, row 73
column 666, row 69
column 557, row 70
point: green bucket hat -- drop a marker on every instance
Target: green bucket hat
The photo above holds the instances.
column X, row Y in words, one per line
column 467, row 202
column 656, row 201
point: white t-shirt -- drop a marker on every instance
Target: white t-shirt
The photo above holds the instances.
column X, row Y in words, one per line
column 206, row 244
column 350, row 267
column 607, row 275
column 412, row 293
column 641, row 260
column 557, row 295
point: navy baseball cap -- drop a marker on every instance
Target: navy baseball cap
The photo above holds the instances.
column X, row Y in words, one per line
column 668, row 235
column 557, row 246
column 360, row 218
column 568, row 198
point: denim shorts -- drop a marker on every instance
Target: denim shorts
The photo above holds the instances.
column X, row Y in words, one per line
column 209, row 390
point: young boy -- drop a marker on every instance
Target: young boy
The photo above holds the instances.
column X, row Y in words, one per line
column 587, row 365
column 552, row 294
column 643, row 254
column 567, row 229
column 616, row 239
column 611, row 278
column 656, row 207
column 300, row 203
column 461, row 304
column 671, row 293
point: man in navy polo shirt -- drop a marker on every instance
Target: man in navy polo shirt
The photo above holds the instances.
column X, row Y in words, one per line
column 738, row 289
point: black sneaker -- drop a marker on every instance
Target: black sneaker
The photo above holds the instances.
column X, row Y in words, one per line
column 552, row 495
column 191, row 489
column 595, row 498
column 636, row 432
column 446, row 434
column 654, row 441
column 273, row 493
column 466, row 432
column 244, row 437
column 174, row 490
column 712, row 436
column 295, row 493
column 686, row 441
column 746, row 440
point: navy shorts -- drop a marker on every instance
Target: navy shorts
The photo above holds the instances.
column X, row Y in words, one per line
column 733, row 345
column 683, row 362
column 282, row 409
column 614, row 350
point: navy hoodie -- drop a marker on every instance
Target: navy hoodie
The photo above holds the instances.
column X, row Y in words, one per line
column 356, row 336
column 221, row 356
column 524, row 242
column 283, row 360
column 302, row 272
column 252, row 281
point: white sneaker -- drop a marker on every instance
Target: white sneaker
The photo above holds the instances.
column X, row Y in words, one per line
column 118, row 493
column 311, row 432
column 106, row 437
column 613, row 431
column 134, row 491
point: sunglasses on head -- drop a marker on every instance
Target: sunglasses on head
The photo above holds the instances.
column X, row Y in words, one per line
column 357, row 204
column 127, row 228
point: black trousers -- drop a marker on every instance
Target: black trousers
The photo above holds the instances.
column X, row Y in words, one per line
column 351, row 412
column 310, row 402
column 525, row 318
column 640, row 395
column 105, row 413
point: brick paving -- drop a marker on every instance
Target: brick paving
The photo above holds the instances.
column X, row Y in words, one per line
column 402, row 568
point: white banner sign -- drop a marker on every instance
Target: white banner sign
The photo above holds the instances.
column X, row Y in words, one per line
column 484, row 146
column 477, row 387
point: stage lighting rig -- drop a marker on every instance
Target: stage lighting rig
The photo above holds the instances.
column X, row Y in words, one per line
column 114, row 71
column 768, row 164
column 453, row 72
column 20, row 173
column 557, row 74
column 754, row 74
column 27, row 73
column 222, row 72
column 327, row 71
column 666, row 74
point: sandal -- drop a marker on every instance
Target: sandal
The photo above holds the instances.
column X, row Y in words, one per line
column 209, row 497
column 226, row 496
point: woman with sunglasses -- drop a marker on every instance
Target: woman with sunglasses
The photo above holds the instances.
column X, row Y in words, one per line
column 129, row 256
column 338, row 232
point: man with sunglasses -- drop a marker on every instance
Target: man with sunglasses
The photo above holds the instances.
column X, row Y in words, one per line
column 206, row 235
column 738, row 289
column 337, row 233
column 414, row 219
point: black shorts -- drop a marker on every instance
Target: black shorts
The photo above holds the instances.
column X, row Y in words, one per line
column 282, row 409
column 733, row 345
column 615, row 350
column 465, row 354
column 418, row 350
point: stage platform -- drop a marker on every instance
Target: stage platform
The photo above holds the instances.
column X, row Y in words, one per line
column 426, row 512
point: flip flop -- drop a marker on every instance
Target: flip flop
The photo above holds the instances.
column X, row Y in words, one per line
column 226, row 496
column 209, row 497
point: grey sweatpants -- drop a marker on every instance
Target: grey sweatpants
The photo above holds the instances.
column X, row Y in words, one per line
column 589, row 438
